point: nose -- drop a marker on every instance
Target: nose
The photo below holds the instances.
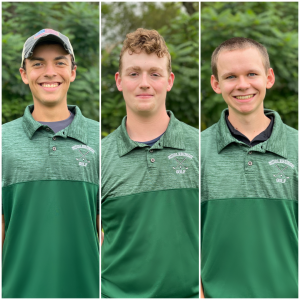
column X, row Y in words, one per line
column 50, row 70
column 243, row 83
column 144, row 84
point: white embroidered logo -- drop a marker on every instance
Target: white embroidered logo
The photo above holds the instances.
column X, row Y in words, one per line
column 281, row 169
column 181, row 161
column 83, row 152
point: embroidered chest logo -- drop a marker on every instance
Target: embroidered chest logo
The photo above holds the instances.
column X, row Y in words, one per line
column 281, row 169
column 83, row 152
column 180, row 161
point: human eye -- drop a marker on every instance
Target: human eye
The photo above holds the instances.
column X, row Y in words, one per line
column 252, row 74
column 60, row 63
column 133, row 74
column 155, row 75
column 230, row 77
column 37, row 64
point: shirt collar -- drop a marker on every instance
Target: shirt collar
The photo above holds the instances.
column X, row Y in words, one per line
column 172, row 138
column 77, row 129
column 276, row 143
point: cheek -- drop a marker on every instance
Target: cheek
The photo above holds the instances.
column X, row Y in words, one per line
column 227, row 88
column 160, row 86
column 129, row 85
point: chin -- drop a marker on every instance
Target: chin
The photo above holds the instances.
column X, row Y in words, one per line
column 145, row 108
column 50, row 102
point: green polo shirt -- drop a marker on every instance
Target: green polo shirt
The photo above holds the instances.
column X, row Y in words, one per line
column 49, row 199
column 150, row 214
column 249, row 214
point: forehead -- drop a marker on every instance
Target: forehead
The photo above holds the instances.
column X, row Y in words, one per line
column 239, row 58
column 143, row 61
column 51, row 49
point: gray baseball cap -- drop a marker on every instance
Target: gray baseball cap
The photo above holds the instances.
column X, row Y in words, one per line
column 45, row 35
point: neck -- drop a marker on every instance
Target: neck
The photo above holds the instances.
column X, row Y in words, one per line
column 55, row 113
column 249, row 125
column 148, row 127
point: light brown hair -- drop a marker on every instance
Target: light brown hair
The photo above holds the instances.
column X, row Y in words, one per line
column 237, row 43
column 146, row 40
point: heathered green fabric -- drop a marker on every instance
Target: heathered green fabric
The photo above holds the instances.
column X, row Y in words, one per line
column 249, row 214
column 49, row 203
column 150, row 214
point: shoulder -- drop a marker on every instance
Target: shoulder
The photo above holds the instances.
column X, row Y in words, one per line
column 191, row 131
column 12, row 130
column 291, row 132
column 292, row 138
column 93, row 130
column 12, row 125
column 92, row 125
column 209, row 132
column 109, row 143
column 209, row 136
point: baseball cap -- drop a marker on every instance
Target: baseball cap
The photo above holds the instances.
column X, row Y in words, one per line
column 45, row 35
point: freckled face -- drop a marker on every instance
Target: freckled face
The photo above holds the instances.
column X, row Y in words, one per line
column 48, row 73
column 144, row 81
column 242, row 80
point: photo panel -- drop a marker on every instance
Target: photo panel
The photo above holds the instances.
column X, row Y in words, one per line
column 249, row 149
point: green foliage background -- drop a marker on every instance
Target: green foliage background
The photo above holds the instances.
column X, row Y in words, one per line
column 178, row 23
column 273, row 24
column 79, row 21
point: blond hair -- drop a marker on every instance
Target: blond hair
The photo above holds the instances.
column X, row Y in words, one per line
column 146, row 40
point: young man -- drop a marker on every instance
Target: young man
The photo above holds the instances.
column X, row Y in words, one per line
column 50, row 183
column 150, row 178
column 249, row 184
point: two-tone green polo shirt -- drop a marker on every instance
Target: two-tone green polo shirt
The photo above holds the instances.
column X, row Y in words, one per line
column 49, row 199
column 150, row 214
column 249, row 214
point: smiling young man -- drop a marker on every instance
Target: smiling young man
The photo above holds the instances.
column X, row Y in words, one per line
column 150, row 180
column 50, row 183
column 249, row 184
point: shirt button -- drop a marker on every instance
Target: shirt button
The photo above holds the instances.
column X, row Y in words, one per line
column 54, row 148
column 54, row 138
column 250, row 163
column 47, row 128
column 151, row 151
column 152, row 160
column 250, row 152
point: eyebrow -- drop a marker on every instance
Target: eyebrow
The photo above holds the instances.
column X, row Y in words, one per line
column 233, row 73
column 153, row 69
column 42, row 59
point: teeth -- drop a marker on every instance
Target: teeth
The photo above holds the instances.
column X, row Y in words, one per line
column 244, row 97
column 50, row 85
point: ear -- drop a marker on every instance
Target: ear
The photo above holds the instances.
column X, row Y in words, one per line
column 73, row 74
column 170, row 81
column 270, row 78
column 23, row 75
column 118, row 81
column 215, row 84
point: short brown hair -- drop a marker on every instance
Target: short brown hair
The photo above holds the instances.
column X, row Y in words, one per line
column 146, row 40
column 237, row 43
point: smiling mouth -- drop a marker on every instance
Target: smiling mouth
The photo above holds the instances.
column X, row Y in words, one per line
column 50, row 85
column 244, row 97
